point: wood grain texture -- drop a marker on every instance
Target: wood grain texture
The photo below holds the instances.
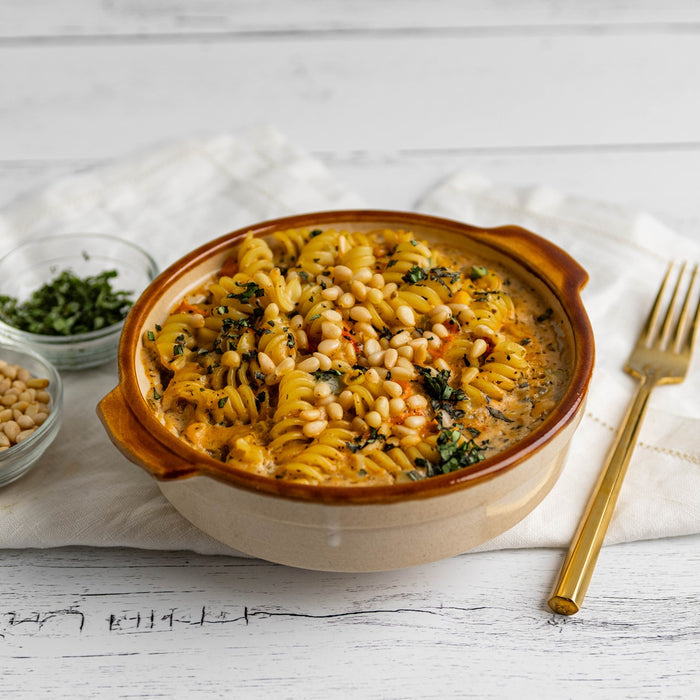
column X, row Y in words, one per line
column 598, row 99
column 114, row 618
column 61, row 20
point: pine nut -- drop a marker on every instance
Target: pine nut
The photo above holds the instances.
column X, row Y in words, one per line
column 24, row 421
column 403, row 374
column 332, row 315
column 231, row 358
column 360, row 313
column 389, row 290
column 393, row 389
column 376, row 358
column 310, row 414
column 302, row 340
column 322, row 389
column 335, row 411
column 478, row 348
column 371, row 346
column 373, row 419
column 310, row 364
column 43, row 396
column 440, row 330
column 346, row 300
column 267, row 366
column 12, row 430
column 329, row 346
column 397, row 406
column 417, row 401
column 377, row 281
column 287, row 365
column 400, row 339
column 324, row 362
column 381, row 405
column 342, row 273
column 331, row 330
column 359, row 290
column 366, row 330
column 363, row 275
column 405, row 315
column 374, row 296
column 346, row 399
column 24, row 434
column 414, row 422
column 314, row 428
column 390, row 358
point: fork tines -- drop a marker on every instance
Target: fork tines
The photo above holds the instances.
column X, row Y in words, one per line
column 681, row 318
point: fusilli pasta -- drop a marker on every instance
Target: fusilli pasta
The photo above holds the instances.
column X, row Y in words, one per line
column 353, row 358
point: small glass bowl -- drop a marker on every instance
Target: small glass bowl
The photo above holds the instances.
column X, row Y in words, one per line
column 37, row 262
column 18, row 459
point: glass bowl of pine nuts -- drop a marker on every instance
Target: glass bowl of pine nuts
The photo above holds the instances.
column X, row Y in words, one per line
column 355, row 390
column 31, row 397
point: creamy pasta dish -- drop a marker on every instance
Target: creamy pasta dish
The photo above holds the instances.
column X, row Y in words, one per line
column 354, row 358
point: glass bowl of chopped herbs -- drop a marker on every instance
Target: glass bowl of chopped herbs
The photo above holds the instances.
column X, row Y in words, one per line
column 66, row 296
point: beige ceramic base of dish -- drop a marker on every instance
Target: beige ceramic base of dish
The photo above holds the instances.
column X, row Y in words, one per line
column 355, row 538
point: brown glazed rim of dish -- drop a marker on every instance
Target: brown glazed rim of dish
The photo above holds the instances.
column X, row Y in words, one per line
column 167, row 457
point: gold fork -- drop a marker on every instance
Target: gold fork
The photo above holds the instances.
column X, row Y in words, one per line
column 661, row 356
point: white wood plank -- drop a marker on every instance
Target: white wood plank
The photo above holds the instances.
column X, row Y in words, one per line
column 473, row 626
column 72, row 19
column 597, row 98
column 334, row 95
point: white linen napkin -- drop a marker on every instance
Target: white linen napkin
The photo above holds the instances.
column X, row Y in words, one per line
column 626, row 255
column 171, row 199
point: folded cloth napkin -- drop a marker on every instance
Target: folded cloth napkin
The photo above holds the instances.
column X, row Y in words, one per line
column 171, row 199
column 626, row 255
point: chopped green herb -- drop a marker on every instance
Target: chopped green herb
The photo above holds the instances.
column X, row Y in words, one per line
column 250, row 290
column 545, row 316
column 151, row 335
column 454, row 454
column 498, row 414
column 477, row 271
column 222, row 402
column 68, row 305
column 415, row 274
column 358, row 443
column 442, row 396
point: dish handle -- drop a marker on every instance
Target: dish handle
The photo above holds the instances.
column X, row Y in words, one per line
column 544, row 257
column 136, row 443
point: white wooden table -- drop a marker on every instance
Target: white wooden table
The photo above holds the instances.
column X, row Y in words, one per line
column 393, row 96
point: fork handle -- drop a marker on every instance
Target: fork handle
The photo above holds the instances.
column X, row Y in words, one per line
column 576, row 572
